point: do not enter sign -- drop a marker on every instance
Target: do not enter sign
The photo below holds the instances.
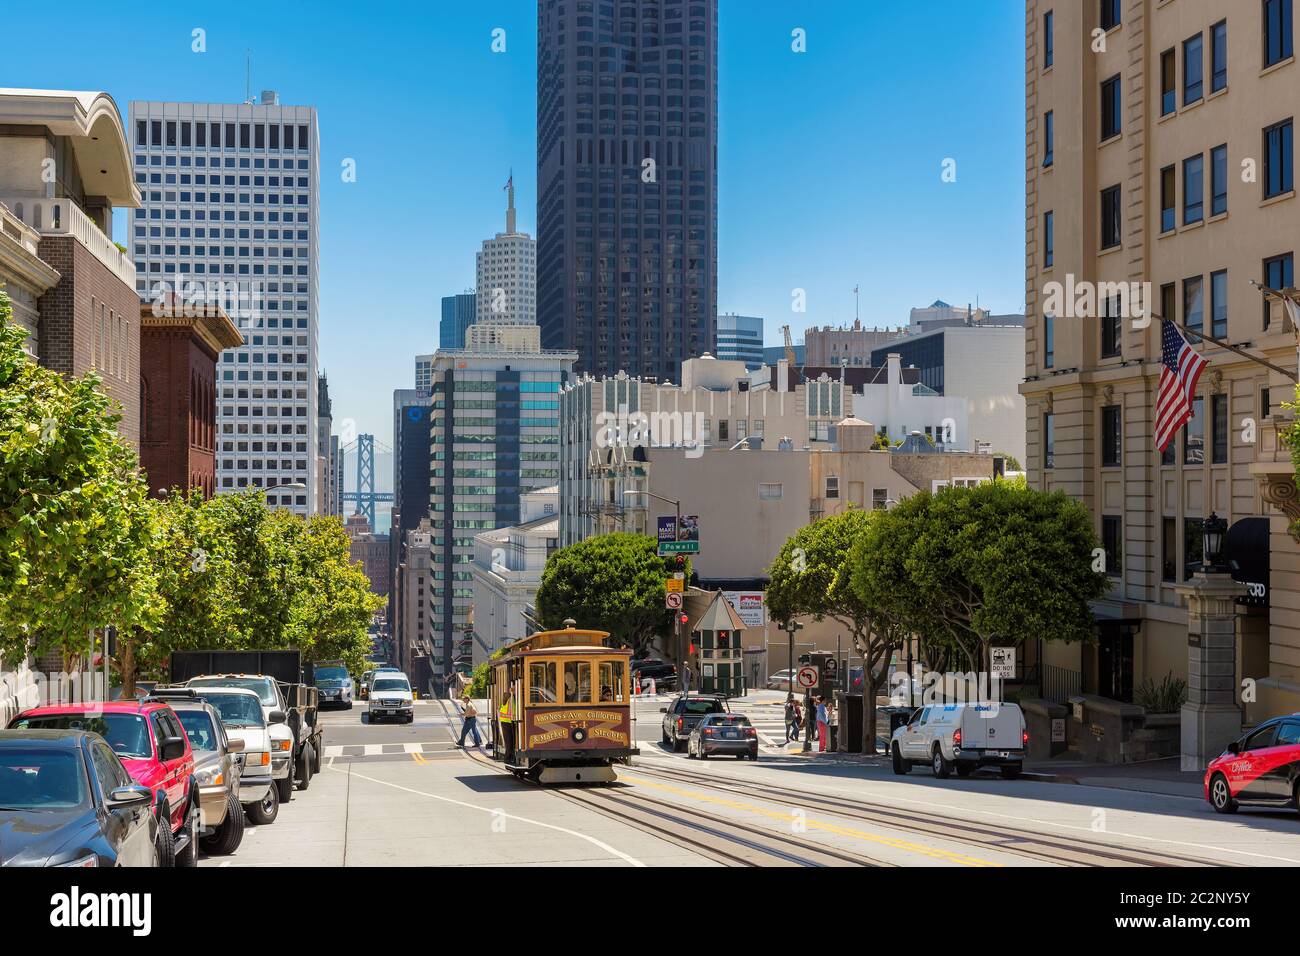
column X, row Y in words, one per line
column 807, row 677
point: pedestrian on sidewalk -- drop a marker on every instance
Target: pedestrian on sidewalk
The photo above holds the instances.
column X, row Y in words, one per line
column 470, row 723
column 798, row 721
column 823, row 725
column 791, row 718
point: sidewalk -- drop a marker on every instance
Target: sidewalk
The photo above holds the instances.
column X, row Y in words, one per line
column 1149, row 776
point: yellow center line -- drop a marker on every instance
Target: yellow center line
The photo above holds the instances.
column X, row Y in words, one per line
column 418, row 758
column 812, row 824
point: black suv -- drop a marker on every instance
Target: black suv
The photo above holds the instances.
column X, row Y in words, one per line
column 664, row 674
column 685, row 712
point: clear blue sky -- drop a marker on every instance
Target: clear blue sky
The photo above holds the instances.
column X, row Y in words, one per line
column 829, row 160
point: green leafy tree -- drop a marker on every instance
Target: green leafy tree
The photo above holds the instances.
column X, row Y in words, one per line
column 812, row 576
column 76, row 532
column 610, row 582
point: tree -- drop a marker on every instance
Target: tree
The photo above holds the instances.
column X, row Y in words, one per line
column 75, row 528
column 811, row 576
column 610, row 582
column 1011, row 462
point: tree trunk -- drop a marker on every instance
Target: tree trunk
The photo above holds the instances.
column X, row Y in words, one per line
column 128, row 668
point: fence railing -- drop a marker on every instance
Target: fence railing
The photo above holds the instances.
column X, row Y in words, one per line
column 1061, row 683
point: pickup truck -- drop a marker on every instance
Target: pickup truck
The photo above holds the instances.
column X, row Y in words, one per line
column 284, row 687
column 681, row 716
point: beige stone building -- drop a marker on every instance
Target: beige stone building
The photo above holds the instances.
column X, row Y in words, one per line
column 1158, row 150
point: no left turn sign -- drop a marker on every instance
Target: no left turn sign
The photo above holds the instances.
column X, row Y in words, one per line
column 807, row 677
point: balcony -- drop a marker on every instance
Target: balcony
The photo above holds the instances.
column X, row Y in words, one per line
column 63, row 217
column 1275, row 471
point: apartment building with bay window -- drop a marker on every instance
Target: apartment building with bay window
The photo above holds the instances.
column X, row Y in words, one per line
column 230, row 216
column 1159, row 149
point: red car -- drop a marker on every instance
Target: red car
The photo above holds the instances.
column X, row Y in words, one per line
column 148, row 738
column 1261, row 768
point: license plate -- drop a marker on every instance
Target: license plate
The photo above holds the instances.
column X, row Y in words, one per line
column 1003, row 753
column 730, row 733
column 381, row 712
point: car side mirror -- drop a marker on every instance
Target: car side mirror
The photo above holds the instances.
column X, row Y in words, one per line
column 129, row 798
column 173, row 748
column 235, row 745
column 1234, row 747
column 276, row 717
column 663, row 710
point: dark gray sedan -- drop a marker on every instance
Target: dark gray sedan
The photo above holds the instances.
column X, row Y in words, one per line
column 730, row 734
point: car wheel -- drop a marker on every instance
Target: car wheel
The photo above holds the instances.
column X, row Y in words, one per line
column 663, row 736
column 304, row 774
column 678, row 746
column 230, row 834
column 189, row 856
column 1010, row 773
column 166, row 843
column 900, row 765
column 1221, row 795
column 940, row 764
column 964, row 769
column 284, row 788
column 316, row 749
column 265, row 810
column 349, row 705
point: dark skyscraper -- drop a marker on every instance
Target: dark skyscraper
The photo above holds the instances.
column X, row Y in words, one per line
column 627, row 162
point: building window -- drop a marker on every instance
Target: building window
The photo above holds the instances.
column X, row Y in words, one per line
column 769, row 491
column 1110, row 218
column 1193, row 546
column 1049, row 135
column 1219, row 180
column 1049, row 51
column 1219, row 304
column 1193, row 189
column 1277, row 31
column 1168, row 549
column 879, row 499
column 1194, row 435
column 1168, row 215
column 1279, row 157
column 1049, row 343
column 1111, row 327
column 1193, row 69
column 832, row 486
column 1109, row 14
column 141, row 133
column 1168, row 82
column 1193, row 303
column 1219, row 56
column 1111, row 436
column 1264, row 404
column 1112, row 540
column 1049, row 240
column 1279, row 273
column 722, row 429
column 1049, row 441
column 1219, row 428
column 1111, row 107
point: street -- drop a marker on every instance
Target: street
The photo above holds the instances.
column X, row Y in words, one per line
column 403, row 795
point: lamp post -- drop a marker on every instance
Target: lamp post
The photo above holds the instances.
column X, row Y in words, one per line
column 677, row 531
column 1214, row 530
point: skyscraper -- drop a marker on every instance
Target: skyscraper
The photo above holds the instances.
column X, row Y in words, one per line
column 506, row 272
column 740, row 338
column 457, row 316
column 230, row 215
column 627, row 97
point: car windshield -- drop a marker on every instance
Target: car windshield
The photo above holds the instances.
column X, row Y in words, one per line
column 730, row 720
column 324, row 674
column 237, row 710
column 391, row 683
column 264, row 687
column 127, row 734
column 42, row 780
column 702, row 706
column 198, row 727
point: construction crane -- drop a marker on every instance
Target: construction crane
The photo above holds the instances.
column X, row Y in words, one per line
column 789, row 345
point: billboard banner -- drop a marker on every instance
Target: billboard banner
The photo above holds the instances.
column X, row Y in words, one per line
column 748, row 606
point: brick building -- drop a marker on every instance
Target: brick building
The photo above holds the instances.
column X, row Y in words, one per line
column 371, row 550
column 64, row 166
column 178, row 399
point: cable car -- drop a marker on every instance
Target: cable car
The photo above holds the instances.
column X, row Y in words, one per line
column 568, row 695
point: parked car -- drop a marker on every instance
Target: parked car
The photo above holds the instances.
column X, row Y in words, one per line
column 1260, row 768
column 147, row 736
column 390, row 696
column 217, row 766
column 782, row 680
column 663, row 673
column 240, row 711
column 681, row 716
column 962, row 737
column 334, row 684
column 363, row 687
column 67, row 800
column 723, row 734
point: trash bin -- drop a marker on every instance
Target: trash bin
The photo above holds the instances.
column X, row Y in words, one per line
column 889, row 719
column 846, row 736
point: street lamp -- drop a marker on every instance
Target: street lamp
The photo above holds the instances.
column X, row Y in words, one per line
column 1213, row 532
column 292, row 486
column 677, row 618
column 677, row 528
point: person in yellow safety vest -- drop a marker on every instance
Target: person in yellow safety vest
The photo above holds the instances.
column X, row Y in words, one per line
column 506, row 718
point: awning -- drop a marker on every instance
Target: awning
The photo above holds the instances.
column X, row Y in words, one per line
column 1247, row 550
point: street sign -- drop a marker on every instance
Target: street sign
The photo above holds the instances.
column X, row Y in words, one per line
column 1003, row 661
column 672, row 600
column 676, row 585
column 667, row 528
column 807, row 677
column 679, row 547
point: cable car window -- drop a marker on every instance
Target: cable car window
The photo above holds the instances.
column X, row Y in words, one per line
column 541, row 683
column 611, row 681
column 577, row 682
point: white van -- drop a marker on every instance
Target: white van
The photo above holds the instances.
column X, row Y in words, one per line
column 964, row 737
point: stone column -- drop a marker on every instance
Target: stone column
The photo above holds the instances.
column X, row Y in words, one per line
column 1211, row 717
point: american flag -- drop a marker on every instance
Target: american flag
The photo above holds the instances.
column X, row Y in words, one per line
column 1182, row 367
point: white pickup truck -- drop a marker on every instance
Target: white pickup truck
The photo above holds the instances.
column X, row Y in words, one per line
column 962, row 737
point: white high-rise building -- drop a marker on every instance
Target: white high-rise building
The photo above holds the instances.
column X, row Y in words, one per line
column 507, row 274
column 231, row 214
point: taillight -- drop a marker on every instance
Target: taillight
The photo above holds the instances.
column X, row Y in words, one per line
column 680, row 721
column 1024, row 738
column 956, row 737
column 708, row 731
column 751, row 732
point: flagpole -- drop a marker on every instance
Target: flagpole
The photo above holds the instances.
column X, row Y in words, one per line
column 1224, row 345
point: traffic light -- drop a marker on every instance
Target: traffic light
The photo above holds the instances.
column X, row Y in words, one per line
column 679, row 563
column 683, row 619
